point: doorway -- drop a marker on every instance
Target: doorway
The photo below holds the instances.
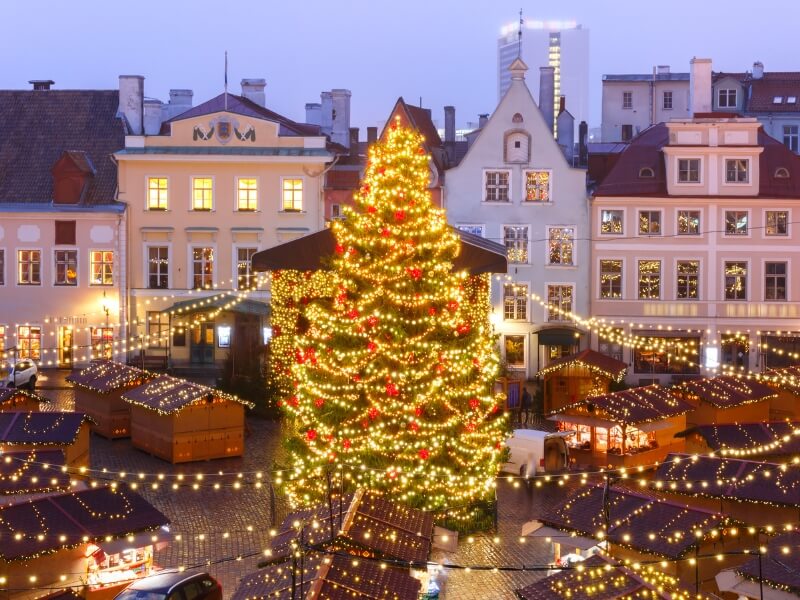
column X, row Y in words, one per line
column 202, row 347
column 65, row 343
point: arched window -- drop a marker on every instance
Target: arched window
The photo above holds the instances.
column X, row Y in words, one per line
column 781, row 173
column 517, row 118
column 646, row 173
column 517, row 147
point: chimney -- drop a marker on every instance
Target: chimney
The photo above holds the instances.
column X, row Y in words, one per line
column 758, row 70
column 449, row 123
column 326, row 113
column 583, row 148
column 372, row 135
column 314, row 113
column 353, row 145
column 566, row 131
column 340, row 116
column 700, row 85
column 562, row 104
column 180, row 100
column 547, row 94
column 662, row 69
column 253, row 90
column 41, row 85
column 483, row 120
column 131, row 102
column 152, row 116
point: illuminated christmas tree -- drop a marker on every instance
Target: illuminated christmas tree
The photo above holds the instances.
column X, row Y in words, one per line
column 394, row 367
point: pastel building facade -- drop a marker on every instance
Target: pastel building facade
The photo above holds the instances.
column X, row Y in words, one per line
column 515, row 187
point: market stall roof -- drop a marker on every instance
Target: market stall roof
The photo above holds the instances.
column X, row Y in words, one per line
column 334, row 577
column 65, row 520
column 787, row 378
column 8, row 394
column 728, row 392
column 226, row 302
column 773, row 438
column 592, row 360
column 367, row 520
column 744, row 480
column 645, row 522
column 33, row 471
column 168, row 395
column 599, row 575
column 637, row 405
column 41, row 428
column 778, row 569
column 106, row 376
column 309, row 253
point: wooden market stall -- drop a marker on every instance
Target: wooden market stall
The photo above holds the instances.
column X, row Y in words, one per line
column 181, row 421
column 32, row 472
column 101, row 538
column 98, row 393
column 66, row 431
column 17, row 399
column 574, row 378
column 726, row 399
column 786, row 383
column 773, row 440
column 634, row 427
column 774, row 575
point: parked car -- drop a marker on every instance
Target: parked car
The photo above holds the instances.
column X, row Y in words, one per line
column 21, row 374
column 533, row 451
column 173, row 585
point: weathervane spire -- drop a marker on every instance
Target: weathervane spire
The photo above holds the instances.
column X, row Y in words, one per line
column 226, row 80
column 519, row 35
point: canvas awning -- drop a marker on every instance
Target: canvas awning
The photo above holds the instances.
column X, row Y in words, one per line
column 557, row 336
column 244, row 306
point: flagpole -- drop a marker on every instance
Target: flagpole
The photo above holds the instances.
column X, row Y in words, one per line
column 226, row 80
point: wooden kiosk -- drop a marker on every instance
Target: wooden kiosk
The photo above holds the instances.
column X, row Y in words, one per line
column 98, row 393
column 786, row 383
column 726, row 399
column 67, row 431
column 574, row 378
column 181, row 421
column 16, row 399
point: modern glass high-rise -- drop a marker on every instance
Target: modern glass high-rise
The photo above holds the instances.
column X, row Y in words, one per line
column 563, row 45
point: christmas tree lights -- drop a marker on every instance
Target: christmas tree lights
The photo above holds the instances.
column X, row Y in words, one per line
column 393, row 362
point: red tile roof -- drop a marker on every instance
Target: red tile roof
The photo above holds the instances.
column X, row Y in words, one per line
column 763, row 92
column 591, row 359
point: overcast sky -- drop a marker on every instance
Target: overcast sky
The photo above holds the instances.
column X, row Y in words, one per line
column 442, row 50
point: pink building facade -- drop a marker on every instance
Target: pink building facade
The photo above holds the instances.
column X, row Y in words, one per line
column 693, row 247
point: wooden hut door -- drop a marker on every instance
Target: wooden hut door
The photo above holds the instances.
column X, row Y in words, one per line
column 202, row 349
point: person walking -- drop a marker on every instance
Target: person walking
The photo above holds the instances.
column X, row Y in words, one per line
column 527, row 405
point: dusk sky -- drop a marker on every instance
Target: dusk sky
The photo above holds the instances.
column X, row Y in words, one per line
column 442, row 50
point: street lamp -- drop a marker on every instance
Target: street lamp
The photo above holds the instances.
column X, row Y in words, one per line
column 105, row 305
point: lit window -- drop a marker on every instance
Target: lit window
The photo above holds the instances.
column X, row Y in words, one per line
column 247, row 194
column 667, row 101
column 611, row 222
column 102, row 267
column 202, row 193
column 202, row 268
column 611, row 278
column 515, row 302
column 157, row 329
column 537, row 186
column 158, row 267
column 496, row 186
column 560, row 246
column 292, row 195
column 157, row 193
column 775, row 281
column 688, row 280
column 224, row 336
column 473, row 229
column 2, row 342
column 515, row 351
column 735, row 281
column 66, row 267
column 736, row 222
column 649, row 279
column 777, row 222
column 103, row 342
column 559, row 302
column 737, row 170
column 649, row 222
column 688, row 222
column 29, row 342
column 266, row 333
column 516, row 241
column 689, row 170
column 726, row 98
column 246, row 278
column 627, row 99
column 29, row 267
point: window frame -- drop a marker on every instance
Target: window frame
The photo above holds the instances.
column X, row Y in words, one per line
column 190, row 270
column 727, row 97
column 523, row 365
column 548, row 317
column 2, row 270
column 251, row 276
column 728, row 159
column 163, row 325
column 601, row 272
column 664, row 100
column 697, row 276
column 660, row 278
column 699, row 160
column 281, row 206
column 101, row 342
column 192, row 190
column 76, row 262
column 600, row 221
column 147, row 205
column 236, row 190
column 515, row 298
column 791, row 139
column 660, row 214
column 627, row 99
column 747, row 274
column 146, row 261
column 785, row 275
column 19, row 282
column 527, row 240
column 734, row 234
column 572, row 251
column 788, row 214
column 485, row 189
column 678, row 212
column 20, row 354
column 525, row 200
column 102, row 262
column 462, row 226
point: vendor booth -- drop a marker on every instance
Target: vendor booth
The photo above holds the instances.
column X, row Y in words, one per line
column 575, row 378
column 67, row 431
column 17, row 399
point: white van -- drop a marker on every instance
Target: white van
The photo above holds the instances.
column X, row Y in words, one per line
column 534, row 452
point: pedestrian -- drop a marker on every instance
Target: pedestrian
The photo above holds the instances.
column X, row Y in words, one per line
column 527, row 404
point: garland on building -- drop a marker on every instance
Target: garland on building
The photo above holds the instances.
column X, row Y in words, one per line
column 393, row 365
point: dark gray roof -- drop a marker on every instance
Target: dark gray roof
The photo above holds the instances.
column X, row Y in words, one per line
column 37, row 127
column 648, row 77
column 228, row 150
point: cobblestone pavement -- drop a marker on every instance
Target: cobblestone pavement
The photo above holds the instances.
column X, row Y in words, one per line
column 246, row 515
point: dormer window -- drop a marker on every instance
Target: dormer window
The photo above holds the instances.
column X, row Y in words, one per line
column 517, row 118
column 726, row 98
column 646, row 173
column 791, row 99
column 72, row 174
column 781, row 173
column 517, row 147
